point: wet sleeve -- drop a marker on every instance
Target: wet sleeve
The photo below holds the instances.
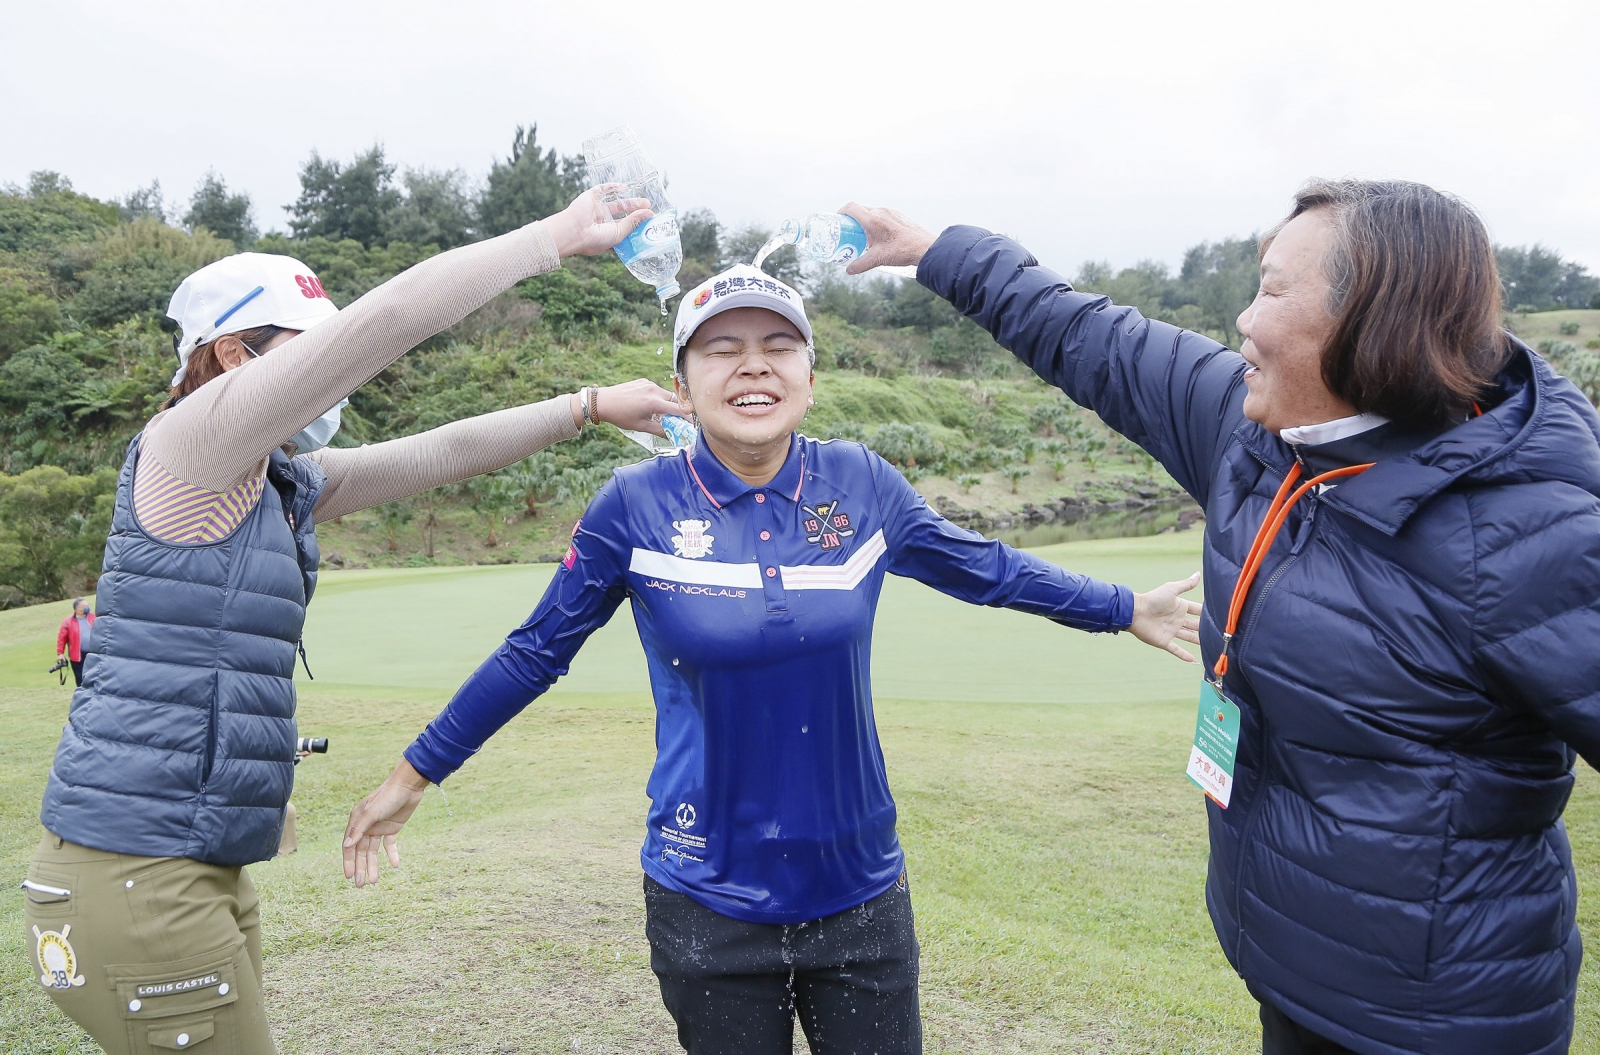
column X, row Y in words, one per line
column 1175, row 393
column 586, row 590
column 925, row 546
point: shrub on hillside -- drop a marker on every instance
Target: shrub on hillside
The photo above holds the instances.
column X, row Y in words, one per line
column 566, row 299
column 26, row 317
column 1583, row 369
column 50, row 213
column 137, row 266
column 52, row 532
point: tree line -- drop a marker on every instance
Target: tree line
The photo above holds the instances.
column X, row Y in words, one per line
column 86, row 350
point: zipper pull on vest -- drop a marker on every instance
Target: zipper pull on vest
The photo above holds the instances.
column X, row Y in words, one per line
column 301, row 646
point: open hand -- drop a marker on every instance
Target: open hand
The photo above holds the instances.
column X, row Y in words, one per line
column 1163, row 617
column 591, row 224
column 377, row 821
column 892, row 238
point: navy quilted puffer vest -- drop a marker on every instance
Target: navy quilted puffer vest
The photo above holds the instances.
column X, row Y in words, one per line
column 180, row 743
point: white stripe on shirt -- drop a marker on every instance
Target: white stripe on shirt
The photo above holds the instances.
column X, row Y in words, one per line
column 846, row 576
column 699, row 572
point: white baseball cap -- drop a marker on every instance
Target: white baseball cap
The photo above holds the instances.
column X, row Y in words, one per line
column 741, row 286
column 243, row 292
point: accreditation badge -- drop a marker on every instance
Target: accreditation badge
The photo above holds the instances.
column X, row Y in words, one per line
column 1216, row 741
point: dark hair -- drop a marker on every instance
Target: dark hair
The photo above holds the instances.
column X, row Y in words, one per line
column 204, row 364
column 1415, row 297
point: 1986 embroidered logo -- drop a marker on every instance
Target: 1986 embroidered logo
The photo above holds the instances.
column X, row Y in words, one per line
column 825, row 525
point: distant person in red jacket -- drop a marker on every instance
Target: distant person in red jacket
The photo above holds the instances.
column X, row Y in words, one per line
column 73, row 637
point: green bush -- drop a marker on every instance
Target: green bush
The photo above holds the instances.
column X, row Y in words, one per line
column 26, row 317
column 52, row 532
column 138, row 265
column 1583, row 369
column 564, row 298
column 1569, row 329
column 49, row 214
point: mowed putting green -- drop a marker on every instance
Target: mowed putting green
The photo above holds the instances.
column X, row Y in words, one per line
column 1057, row 853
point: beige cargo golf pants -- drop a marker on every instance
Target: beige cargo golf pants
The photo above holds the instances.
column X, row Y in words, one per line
column 148, row 954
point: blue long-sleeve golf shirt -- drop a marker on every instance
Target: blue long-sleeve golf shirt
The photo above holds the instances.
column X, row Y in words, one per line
column 769, row 801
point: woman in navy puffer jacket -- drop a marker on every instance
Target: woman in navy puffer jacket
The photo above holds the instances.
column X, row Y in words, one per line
column 1414, row 660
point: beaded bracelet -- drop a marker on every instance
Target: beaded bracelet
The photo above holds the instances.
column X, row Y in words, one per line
column 593, row 413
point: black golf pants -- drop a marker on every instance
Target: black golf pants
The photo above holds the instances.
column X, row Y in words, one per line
column 1282, row 1035
column 735, row 988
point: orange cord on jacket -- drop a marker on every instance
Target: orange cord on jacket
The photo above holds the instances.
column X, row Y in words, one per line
column 1277, row 513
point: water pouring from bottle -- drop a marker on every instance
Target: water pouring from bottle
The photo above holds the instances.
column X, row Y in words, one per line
column 828, row 237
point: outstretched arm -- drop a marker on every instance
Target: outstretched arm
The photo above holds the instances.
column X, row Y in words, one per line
column 218, row 437
column 359, row 477
column 925, row 546
column 580, row 599
column 1175, row 393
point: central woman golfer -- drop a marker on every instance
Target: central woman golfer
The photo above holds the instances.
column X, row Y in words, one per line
column 774, row 881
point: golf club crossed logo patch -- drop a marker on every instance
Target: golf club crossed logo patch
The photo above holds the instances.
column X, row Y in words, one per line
column 825, row 526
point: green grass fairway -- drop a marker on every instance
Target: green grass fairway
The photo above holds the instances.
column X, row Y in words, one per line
column 1057, row 853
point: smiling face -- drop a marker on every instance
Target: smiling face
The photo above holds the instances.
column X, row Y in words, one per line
column 1286, row 328
column 746, row 376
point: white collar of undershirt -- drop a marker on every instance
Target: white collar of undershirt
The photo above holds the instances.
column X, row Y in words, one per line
column 1328, row 431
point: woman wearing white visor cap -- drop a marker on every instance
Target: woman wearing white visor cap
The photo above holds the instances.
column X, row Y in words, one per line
column 175, row 766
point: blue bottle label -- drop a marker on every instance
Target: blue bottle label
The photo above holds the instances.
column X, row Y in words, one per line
column 648, row 236
column 678, row 430
column 852, row 241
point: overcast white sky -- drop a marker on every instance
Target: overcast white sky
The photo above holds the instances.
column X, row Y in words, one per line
column 1104, row 131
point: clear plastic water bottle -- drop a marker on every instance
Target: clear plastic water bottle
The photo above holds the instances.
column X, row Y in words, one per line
column 679, row 433
column 653, row 251
column 829, row 237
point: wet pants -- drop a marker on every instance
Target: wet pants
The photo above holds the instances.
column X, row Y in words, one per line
column 736, row 987
column 147, row 954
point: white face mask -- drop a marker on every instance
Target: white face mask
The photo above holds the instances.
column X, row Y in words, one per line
column 316, row 435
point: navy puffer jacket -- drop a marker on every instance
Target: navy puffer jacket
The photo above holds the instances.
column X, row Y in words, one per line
column 1415, row 668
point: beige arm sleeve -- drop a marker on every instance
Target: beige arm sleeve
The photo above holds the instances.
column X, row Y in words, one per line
column 220, row 436
column 359, row 477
